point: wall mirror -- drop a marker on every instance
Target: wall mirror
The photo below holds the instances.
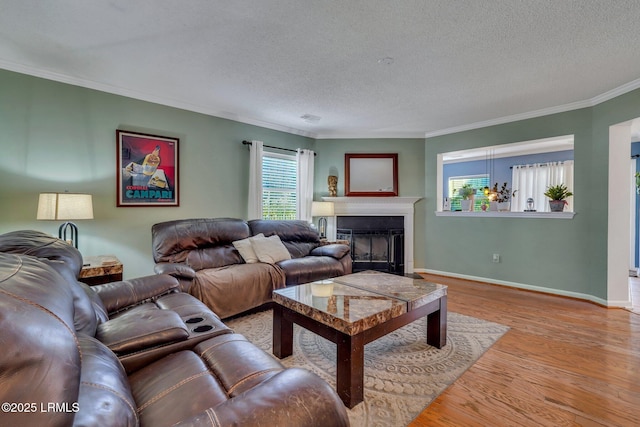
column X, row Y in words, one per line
column 373, row 175
column 527, row 167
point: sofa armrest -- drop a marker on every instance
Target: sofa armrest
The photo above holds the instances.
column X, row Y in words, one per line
column 294, row 397
column 335, row 250
column 118, row 295
column 180, row 271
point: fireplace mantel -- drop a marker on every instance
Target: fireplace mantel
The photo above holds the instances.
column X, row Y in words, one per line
column 372, row 205
column 377, row 206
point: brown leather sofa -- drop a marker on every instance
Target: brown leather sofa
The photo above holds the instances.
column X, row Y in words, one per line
column 55, row 373
column 140, row 320
column 201, row 254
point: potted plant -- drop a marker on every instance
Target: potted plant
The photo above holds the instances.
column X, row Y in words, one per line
column 467, row 192
column 557, row 194
column 503, row 196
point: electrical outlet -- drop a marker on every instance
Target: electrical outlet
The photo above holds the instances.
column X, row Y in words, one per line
column 496, row 257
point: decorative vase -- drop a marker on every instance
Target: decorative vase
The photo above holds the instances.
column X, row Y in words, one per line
column 504, row 206
column 466, row 204
column 493, row 206
column 556, row 205
column 332, row 181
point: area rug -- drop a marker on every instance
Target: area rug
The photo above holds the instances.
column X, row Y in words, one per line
column 403, row 374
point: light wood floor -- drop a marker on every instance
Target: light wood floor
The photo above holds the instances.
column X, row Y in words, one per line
column 564, row 362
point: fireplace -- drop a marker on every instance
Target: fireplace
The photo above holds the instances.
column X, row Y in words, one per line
column 377, row 242
column 402, row 207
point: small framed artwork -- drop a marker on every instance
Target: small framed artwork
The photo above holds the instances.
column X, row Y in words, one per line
column 371, row 174
column 147, row 169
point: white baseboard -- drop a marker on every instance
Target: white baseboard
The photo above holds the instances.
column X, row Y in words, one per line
column 586, row 297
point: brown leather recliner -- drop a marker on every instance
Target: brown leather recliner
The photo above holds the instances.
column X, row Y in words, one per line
column 141, row 320
column 56, row 376
column 201, row 255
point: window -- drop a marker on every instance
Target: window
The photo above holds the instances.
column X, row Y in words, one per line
column 279, row 181
column 497, row 161
column 477, row 182
column 533, row 180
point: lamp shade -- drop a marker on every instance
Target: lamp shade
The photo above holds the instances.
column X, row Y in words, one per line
column 322, row 209
column 65, row 206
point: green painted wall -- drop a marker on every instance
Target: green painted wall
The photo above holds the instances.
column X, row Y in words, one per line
column 411, row 160
column 566, row 255
column 58, row 137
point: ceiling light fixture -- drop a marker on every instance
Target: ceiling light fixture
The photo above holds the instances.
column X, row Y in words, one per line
column 310, row 118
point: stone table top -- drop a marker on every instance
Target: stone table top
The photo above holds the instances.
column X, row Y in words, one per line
column 357, row 302
column 347, row 309
column 416, row 292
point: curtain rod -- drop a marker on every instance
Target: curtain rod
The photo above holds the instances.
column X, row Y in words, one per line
column 541, row 164
column 276, row 148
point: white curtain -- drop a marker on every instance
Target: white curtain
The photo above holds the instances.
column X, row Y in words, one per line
column 304, row 191
column 254, row 210
column 533, row 180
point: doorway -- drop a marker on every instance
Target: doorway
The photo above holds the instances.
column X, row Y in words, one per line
column 620, row 220
column 634, row 269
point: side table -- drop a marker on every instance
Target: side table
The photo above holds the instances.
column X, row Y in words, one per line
column 101, row 269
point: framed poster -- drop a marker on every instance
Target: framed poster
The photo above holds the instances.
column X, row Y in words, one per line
column 371, row 174
column 147, row 170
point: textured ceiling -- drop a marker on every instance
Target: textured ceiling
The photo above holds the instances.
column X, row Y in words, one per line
column 456, row 64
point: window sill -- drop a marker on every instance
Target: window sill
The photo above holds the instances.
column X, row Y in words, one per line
column 496, row 214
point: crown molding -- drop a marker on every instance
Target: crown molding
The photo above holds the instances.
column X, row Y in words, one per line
column 371, row 135
column 620, row 90
column 141, row 96
column 169, row 102
column 509, row 119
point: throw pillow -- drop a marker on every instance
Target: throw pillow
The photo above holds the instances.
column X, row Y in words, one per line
column 270, row 249
column 246, row 249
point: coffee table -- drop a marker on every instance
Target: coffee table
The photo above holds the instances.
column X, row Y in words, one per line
column 354, row 310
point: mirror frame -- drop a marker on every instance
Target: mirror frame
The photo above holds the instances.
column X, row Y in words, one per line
column 358, row 164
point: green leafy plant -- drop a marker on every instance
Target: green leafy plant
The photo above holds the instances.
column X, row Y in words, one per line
column 466, row 191
column 558, row 192
column 503, row 194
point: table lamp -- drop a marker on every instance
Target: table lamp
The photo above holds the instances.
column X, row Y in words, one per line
column 323, row 210
column 65, row 206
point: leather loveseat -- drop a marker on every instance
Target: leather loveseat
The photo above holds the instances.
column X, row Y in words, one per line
column 203, row 254
column 56, row 373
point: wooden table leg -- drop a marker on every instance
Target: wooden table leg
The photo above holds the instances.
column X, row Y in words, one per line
column 282, row 333
column 437, row 325
column 350, row 369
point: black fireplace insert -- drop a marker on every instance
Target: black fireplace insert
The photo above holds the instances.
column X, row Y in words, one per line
column 377, row 242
